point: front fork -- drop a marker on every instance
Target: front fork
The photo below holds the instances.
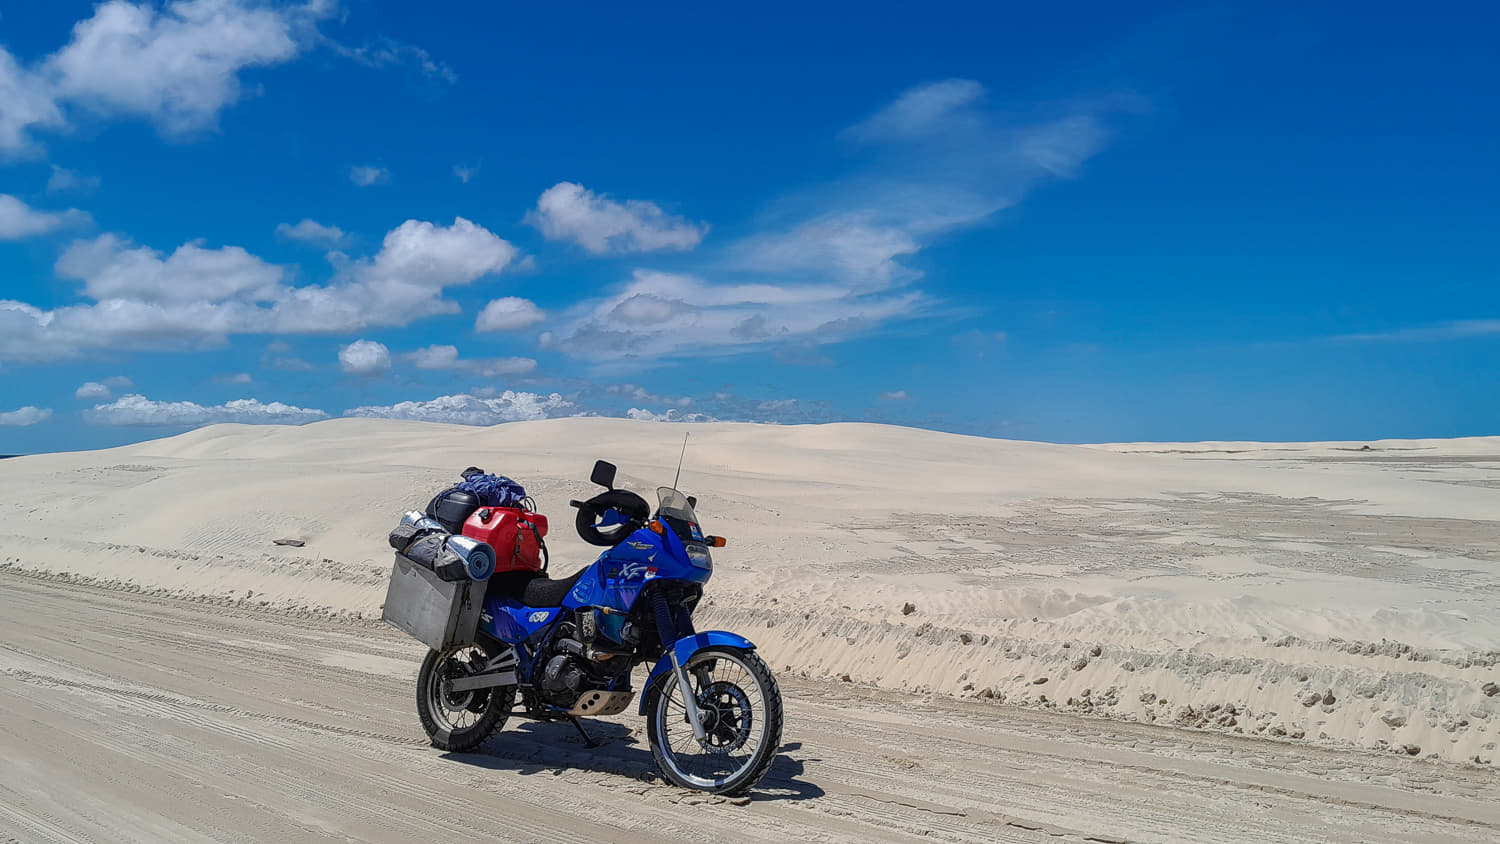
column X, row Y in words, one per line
column 669, row 630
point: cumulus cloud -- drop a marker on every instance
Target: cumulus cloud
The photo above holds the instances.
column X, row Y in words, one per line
column 177, row 64
column 464, row 173
column 365, row 176
column 894, row 395
column 311, row 231
column 137, row 410
column 26, row 102
column 25, row 416
column 112, row 269
column 101, row 389
column 19, row 220
column 446, row 358
column 568, row 211
column 510, row 313
column 365, row 357
column 465, row 409
column 669, row 416
column 200, row 295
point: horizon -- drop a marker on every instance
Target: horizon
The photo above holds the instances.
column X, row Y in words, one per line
column 1083, row 226
column 1350, row 445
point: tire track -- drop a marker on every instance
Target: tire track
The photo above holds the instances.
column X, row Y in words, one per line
column 241, row 729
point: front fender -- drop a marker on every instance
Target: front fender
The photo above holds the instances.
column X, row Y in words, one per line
column 689, row 645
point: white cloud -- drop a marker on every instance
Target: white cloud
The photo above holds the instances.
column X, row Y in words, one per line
column 234, row 378
column 101, row 389
column 464, row 173
column 367, row 176
column 1455, row 330
column 311, row 231
column 18, row 220
column 365, row 357
column 659, row 315
column 26, row 416
column 446, row 358
column 641, row 394
column 932, row 162
column 894, row 395
column 64, row 180
column 26, row 102
column 568, row 211
column 919, row 111
column 937, row 162
column 465, row 409
column 672, row 415
column 199, row 296
column 178, row 65
column 137, row 410
column 851, row 246
column 113, row 270
column 384, row 52
column 510, row 313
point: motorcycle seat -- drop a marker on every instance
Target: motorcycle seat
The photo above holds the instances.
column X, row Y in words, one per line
column 536, row 590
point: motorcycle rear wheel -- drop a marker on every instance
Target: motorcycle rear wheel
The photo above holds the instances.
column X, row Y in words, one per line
column 459, row 721
column 743, row 718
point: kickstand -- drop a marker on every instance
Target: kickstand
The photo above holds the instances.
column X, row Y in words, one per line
column 587, row 740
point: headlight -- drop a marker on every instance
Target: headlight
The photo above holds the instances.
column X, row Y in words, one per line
column 698, row 555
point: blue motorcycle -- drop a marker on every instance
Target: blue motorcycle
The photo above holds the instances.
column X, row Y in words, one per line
column 560, row 649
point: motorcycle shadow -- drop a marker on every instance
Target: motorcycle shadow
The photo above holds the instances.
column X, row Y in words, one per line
column 535, row 747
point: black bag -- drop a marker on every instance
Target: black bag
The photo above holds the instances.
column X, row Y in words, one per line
column 451, row 508
column 403, row 536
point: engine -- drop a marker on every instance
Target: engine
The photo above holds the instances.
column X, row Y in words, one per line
column 570, row 669
column 564, row 679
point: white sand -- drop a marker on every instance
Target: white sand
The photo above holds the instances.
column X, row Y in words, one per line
column 1319, row 592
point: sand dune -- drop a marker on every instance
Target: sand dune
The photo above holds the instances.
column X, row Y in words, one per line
column 1318, row 592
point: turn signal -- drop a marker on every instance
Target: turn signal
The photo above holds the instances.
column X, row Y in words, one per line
column 715, row 541
column 655, row 526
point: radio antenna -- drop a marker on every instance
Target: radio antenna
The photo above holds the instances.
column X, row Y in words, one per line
column 679, row 460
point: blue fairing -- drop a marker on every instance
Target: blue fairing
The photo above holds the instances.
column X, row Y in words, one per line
column 614, row 581
column 689, row 645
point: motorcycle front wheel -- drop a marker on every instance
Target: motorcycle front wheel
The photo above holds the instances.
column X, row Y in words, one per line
column 460, row 721
column 740, row 706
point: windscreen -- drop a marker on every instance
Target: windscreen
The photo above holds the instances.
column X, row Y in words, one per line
column 674, row 505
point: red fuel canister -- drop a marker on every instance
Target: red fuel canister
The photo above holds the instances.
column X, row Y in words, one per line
column 514, row 533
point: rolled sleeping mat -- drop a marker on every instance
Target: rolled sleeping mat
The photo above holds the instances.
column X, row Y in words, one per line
column 477, row 555
column 431, row 552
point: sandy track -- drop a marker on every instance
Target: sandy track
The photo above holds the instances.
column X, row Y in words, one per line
column 136, row 718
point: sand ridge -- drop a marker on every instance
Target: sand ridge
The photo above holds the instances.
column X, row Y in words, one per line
column 1301, row 592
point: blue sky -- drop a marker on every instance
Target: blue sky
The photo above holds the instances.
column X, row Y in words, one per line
column 1073, row 223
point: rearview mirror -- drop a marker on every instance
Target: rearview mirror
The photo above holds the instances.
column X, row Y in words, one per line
column 604, row 474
